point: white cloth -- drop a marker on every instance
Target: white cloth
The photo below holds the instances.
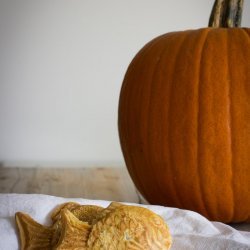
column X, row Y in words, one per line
column 188, row 229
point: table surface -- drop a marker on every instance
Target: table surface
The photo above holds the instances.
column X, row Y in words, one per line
column 101, row 183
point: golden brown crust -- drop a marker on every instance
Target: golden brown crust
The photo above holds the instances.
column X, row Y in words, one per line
column 130, row 227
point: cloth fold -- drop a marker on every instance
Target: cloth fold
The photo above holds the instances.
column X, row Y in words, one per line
column 189, row 230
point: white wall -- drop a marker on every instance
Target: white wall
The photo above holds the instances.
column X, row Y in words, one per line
column 62, row 63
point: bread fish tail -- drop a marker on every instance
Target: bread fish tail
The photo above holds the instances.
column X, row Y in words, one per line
column 32, row 234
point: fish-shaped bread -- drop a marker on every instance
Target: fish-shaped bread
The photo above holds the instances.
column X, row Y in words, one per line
column 86, row 227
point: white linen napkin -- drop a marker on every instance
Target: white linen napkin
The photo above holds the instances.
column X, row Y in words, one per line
column 189, row 230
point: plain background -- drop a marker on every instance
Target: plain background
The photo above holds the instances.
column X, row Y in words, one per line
column 62, row 63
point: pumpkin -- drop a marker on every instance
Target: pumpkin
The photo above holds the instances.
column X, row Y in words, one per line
column 184, row 118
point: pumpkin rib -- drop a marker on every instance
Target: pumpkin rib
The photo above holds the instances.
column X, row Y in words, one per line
column 240, row 143
column 174, row 199
column 126, row 106
column 165, row 116
column 149, row 50
column 171, row 114
column 123, row 125
column 207, row 214
column 230, row 112
column 247, row 31
column 215, row 134
column 149, row 108
column 152, row 107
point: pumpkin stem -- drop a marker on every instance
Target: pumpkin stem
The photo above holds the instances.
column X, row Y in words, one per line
column 226, row 13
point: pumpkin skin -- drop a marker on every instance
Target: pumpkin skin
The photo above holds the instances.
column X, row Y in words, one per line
column 184, row 122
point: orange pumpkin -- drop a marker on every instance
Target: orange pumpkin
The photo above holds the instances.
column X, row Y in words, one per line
column 184, row 118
